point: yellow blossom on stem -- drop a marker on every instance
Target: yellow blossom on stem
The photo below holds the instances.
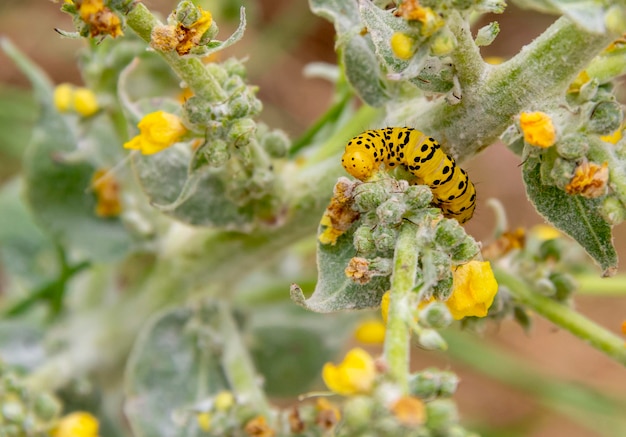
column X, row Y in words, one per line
column 402, row 45
column 409, row 411
column 85, row 102
column 63, row 97
column 258, row 427
column 589, row 180
column 107, row 193
column 354, row 375
column 190, row 37
column 474, row 288
column 157, row 131
column 370, row 332
column 537, row 128
column 77, row 424
column 101, row 19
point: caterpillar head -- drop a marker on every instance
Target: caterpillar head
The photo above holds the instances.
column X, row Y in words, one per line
column 359, row 162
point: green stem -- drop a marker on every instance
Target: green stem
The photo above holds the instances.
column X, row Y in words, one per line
column 594, row 285
column 396, row 351
column 189, row 69
column 238, row 365
column 534, row 78
column 565, row 317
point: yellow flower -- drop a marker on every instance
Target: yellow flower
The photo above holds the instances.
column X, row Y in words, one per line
column 474, row 289
column 358, row 270
column 224, row 400
column 411, row 10
column 409, row 411
column 614, row 137
column 370, row 332
column 352, row 376
column 158, row 131
column 258, row 427
column 190, row 37
column 537, row 128
column 63, row 97
column 339, row 215
column 204, row 421
column 107, row 193
column 85, row 102
column 402, row 45
column 77, row 424
column 101, row 19
column 589, row 180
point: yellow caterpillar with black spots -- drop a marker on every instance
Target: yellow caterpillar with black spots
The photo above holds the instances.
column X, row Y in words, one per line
column 452, row 190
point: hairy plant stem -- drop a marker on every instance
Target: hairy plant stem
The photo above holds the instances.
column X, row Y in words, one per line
column 397, row 338
column 565, row 317
column 493, row 95
column 189, row 69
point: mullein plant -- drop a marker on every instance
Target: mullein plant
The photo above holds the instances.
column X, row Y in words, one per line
column 154, row 205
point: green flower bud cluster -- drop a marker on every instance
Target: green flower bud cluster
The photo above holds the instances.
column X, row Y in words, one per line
column 24, row 412
column 433, row 383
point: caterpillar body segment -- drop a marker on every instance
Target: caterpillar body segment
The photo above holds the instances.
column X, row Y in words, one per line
column 453, row 192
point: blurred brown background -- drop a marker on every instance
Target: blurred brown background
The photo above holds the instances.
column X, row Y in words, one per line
column 293, row 103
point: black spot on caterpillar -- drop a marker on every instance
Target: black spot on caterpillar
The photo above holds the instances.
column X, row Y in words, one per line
column 453, row 192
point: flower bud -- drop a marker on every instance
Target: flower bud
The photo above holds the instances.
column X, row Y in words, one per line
column 564, row 284
column 589, row 90
column 234, row 66
column 187, row 13
column 449, row 234
column 402, row 45
column 431, row 340
column 217, row 71
column 551, row 249
column 441, row 413
column 605, row 118
column 275, row 143
column 241, row 130
column 465, row 251
column 443, row 288
column 217, row 153
column 357, row 412
column 385, row 238
column 432, row 383
column 443, row 43
column 210, row 34
column 199, row 111
column 418, row 196
column 562, row 172
column 363, row 240
column 545, row 286
column 46, row 407
column 613, row 210
column 368, row 196
column 391, row 211
column 572, row 146
column 487, row 34
column 435, row 315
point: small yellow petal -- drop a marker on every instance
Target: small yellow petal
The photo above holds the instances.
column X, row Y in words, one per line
column 545, row 232
column 63, row 97
column 370, row 332
column 402, row 45
column 354, row 375
column 614, row 137
column 85, row 102
column 538, row 129
column 224, row 400
column 204, row 421
column 77, row 424
column 157, row 131
column 474, row 289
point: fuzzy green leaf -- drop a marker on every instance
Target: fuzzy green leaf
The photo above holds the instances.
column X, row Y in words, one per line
column 334, row 291
column 58, row 178
column 575, row 215
column 304, row 341
column 198, row 198
column 167, row 373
